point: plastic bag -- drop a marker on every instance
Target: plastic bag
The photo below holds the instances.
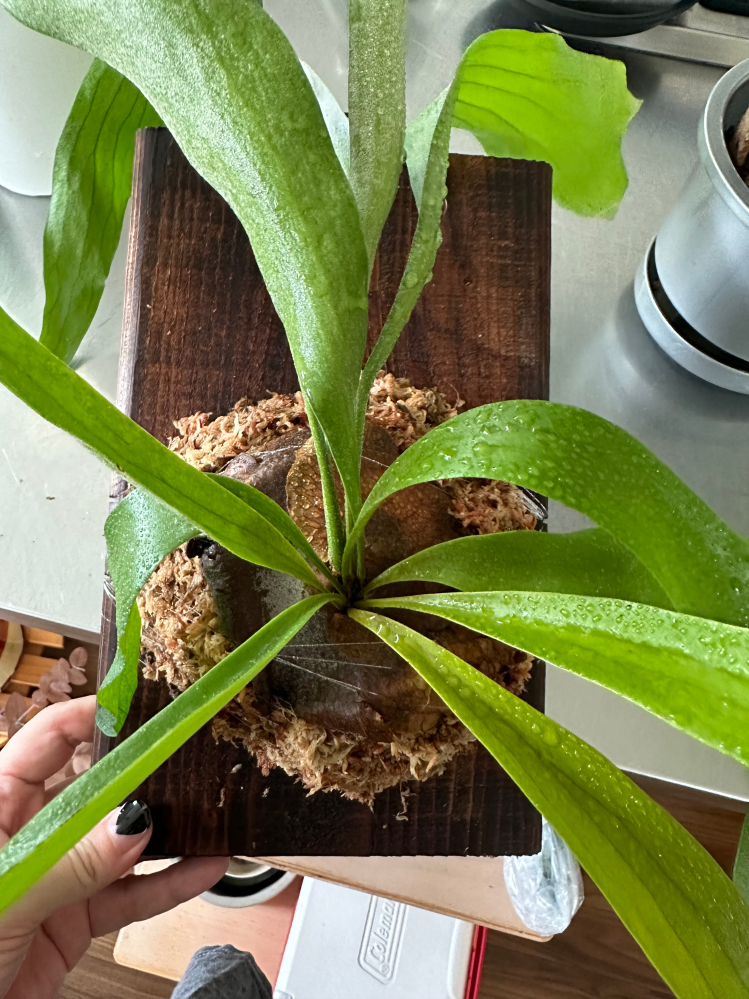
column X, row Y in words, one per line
column 546, row 890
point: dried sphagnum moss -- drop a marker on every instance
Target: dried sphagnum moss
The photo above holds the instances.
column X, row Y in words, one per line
column 487, row 506
column 180, row 624
column 407, row 413
column 333, row 761
column 179, row 635
column 208, row 444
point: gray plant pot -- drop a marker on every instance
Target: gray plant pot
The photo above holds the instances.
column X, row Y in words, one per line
column 248, row 882
column 603, row 17
column 692, row 291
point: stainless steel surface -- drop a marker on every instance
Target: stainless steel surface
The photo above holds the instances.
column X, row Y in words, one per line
column 677, row 348
column 698, row 35
column 702, row 248
column 603, row 359
column 604, row 19
column 700, row 18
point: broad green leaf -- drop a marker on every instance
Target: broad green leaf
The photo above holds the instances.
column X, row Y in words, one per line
column 418, row 145
column 333, row 521
column 596, row 467
column 691, row 672
column 90, row 190
column 61, row 396
column 668, row 891
column 741, row 863
column 590, row 563
column 377, row 109
column 533, row 97
column 335, row 120
column 118, row 687
column 77, row 809
column 140, row 532
column 226, row 82
column 277, row 517
column 426, row 242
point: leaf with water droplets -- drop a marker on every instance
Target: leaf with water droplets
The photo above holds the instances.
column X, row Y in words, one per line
column 233, row 515
column 427, row 146
column 588, row 562
column 597, row 468
column 77, row 809
column 90, row 190
column 377, row 108
column 669, row 892
column 679, row 674
column 227, row 83
column 140, row 532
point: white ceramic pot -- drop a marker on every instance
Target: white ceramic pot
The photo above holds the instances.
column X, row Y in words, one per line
column 692, row 290
column 39, row 79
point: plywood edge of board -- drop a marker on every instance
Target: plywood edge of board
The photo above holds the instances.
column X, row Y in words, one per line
column 470, row 888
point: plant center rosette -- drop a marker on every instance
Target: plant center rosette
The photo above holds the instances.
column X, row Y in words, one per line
column 338, row 709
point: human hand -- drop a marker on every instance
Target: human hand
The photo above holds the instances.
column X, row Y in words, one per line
column 47, row 931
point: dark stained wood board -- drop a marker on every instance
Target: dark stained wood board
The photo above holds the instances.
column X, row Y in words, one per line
column 200, row 332
column 595, row 958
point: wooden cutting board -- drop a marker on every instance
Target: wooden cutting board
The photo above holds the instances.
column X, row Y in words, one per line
column 163, row 945
column 200, row 332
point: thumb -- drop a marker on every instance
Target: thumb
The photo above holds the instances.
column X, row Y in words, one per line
column 104, row 855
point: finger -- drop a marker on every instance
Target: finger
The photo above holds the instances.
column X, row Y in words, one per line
column 39, row 972
column 101, row 857
column 40, row 749
column 141, row 896
column 45, row 744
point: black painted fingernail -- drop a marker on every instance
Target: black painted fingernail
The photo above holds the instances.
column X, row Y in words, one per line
column 134, row 818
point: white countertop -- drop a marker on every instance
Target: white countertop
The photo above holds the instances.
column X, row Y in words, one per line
column 53, row 491
column 52, row 549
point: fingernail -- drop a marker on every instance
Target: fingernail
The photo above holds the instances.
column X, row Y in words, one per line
column 134, row 818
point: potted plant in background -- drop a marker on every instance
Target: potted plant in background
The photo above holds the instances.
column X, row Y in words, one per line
column 604, row 17
column 670, row 632
column 692, row 291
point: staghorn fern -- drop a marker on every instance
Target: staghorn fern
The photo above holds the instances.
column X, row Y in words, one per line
column 654, row 604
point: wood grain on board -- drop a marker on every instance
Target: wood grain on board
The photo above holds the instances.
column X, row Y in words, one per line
column 200, row 333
